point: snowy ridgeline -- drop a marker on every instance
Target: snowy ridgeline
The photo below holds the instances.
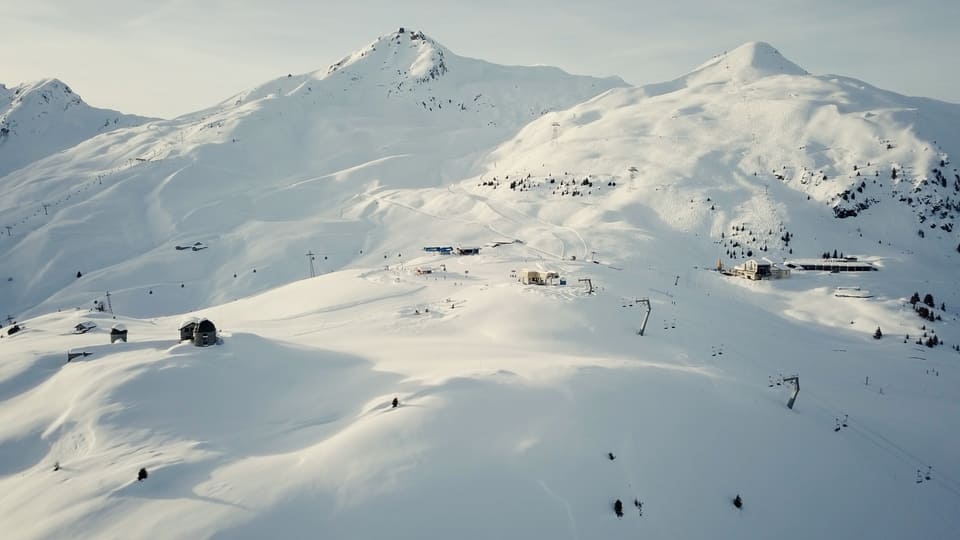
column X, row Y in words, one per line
column 406, row 393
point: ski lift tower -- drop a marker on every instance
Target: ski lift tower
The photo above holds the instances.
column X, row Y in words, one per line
column 795, row 382
column 646, row 314
column 312, row 257
column 589, row 284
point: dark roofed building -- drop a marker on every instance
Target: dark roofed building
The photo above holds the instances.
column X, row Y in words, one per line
column 848, row 264
column 205, row 333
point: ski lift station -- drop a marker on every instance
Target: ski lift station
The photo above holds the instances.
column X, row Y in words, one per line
column 763, row 269
column 846, row 264
column 448, row 250
column 466, row 250
column 538, row 277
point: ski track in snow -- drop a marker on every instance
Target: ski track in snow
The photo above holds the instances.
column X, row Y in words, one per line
column 566, row 506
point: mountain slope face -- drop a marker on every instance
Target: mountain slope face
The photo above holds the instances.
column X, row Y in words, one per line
column 42, row 118
column 264, row 176
column 756, row 158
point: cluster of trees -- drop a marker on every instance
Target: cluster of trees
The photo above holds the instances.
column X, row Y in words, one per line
column 827, row 255
column 569, row 186
column 928, row 307
column 745, row 250
column 929, row 339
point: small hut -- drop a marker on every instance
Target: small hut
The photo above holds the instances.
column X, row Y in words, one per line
column 118, row 333
column 187, row 328
column 84, row 327
column 205, row 333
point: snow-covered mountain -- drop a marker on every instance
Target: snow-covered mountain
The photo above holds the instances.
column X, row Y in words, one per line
column 265, row 176
column 751, row 139
column 524, row 411
column 42, row 118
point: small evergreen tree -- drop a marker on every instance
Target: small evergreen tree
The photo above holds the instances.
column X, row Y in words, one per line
column 142, row 475
column 928, row 300
column 878, row 334
column 915, row 298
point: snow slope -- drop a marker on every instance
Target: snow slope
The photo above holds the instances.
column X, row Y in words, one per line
column 511, row 396
column 44, row 117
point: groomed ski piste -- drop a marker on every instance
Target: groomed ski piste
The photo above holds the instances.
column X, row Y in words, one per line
column 511, row 397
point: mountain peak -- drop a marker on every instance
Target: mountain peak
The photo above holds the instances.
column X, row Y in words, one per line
column 44, row 92
column 412, row 52
column 745, row 64
column 762, row 56
column 42, row 117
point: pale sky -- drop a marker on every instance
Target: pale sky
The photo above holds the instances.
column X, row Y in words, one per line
column 169, row 57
